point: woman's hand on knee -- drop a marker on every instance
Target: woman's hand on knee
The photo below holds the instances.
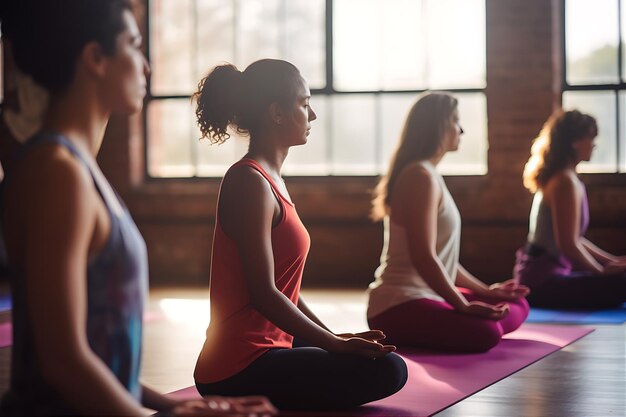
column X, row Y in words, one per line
column 614, row 267
column 359, row 346
column 225, row 406
column 508, row 290
column 373, row 335
column 488, row 311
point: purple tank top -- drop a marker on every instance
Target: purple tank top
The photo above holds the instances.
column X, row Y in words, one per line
column 531, row 269
column 117, row 282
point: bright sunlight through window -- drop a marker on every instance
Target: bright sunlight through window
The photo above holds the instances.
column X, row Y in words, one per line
column 365, row 61
column 595, row 76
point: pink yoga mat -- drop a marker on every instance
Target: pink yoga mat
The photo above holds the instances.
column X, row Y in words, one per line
column 436, row 380
column 6, row 334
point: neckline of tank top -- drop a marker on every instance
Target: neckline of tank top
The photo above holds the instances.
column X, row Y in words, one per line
column 269, row 179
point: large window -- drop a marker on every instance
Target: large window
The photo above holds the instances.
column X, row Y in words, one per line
column 595, row 75
column 365, row 62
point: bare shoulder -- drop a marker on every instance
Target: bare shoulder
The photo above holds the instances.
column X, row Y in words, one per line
column 246, row 202
column 51, row 200
column 415, row 177
column 416, row 190
column 563, row 185
column 244, row 183
column 54, row 171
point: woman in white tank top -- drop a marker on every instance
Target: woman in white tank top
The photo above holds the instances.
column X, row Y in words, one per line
column 422, row 296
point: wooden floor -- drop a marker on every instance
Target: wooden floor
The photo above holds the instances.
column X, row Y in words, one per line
column 585, row 379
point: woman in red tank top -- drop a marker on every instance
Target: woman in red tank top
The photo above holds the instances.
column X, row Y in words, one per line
column 259, row 251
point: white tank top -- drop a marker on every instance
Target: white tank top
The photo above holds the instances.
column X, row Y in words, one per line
column 397, row 280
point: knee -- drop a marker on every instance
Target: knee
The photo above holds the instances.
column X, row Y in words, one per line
column 521, row 309
column 203, row 389
column 392, row 373
column 522, row 304
column 485, row 337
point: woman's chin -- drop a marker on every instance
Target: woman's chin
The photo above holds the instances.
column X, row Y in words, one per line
column 300, row 143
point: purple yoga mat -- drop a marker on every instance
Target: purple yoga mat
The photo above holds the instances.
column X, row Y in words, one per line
column 438, row 380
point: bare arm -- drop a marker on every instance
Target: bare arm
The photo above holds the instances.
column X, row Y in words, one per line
column 417, row 212
column 61, row 221
column 156, row 401
column 247, row 209
column 466, row 280
column 599, row 254
column 304, row 308
column 508, row 290
column 375, row 335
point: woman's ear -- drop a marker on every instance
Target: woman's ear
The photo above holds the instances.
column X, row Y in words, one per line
column 577, row 145
column 276, row 113
column 94, row 59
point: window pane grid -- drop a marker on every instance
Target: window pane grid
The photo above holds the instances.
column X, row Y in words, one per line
column 622, row 128
column 357, row 127
column 594, row 78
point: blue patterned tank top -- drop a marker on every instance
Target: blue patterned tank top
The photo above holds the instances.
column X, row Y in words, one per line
column 117, row 281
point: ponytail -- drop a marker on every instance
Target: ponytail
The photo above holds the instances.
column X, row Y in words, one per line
column 218, row 100
column 229, row 97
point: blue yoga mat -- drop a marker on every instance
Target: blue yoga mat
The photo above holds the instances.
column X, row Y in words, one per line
column 613, row 316
column 5, row 302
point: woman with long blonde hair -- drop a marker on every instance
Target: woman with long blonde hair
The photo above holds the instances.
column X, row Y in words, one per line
column 563, row 268
column 422, row 296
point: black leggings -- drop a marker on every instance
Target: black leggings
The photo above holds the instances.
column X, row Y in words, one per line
column 310, row 378
column 580, row 290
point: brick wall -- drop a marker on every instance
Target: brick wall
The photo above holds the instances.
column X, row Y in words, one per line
column 523, row 87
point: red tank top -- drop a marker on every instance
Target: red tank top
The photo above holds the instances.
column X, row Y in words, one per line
column 238, row 334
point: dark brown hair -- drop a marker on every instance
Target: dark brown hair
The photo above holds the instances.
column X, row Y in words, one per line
column 552, row 150
column 229, row 97
column 49, row 35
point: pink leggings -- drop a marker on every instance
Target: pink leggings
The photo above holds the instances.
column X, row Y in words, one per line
column 431, row 324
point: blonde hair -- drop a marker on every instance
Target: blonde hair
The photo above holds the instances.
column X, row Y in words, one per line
column 422, row 134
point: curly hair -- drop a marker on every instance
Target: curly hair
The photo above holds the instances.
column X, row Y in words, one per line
column 553, row 149
column 228, row 97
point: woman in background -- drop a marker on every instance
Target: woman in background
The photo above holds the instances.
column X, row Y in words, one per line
column 422, row 296
column 562, row 267
column 260, row 248
column 77, row 262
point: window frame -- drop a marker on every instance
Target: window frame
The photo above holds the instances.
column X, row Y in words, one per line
column 329, row 90
column 615, row 88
